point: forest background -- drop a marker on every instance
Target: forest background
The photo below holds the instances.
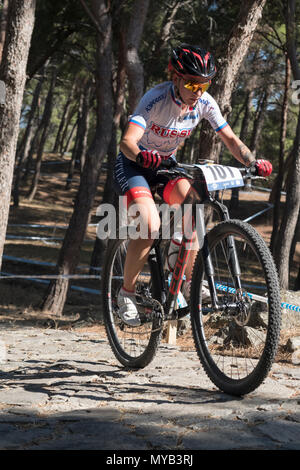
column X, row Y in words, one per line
column 74, row 70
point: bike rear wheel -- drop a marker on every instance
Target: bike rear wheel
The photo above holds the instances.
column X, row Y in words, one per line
column 237, row 343
column 134, row 347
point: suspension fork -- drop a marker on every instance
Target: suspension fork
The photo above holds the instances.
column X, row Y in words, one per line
column 206, row 256
column 233, row 260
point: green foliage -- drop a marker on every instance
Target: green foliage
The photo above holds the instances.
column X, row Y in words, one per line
column 65, row 37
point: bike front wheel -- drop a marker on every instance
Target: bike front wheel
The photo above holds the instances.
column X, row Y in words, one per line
column 236, row 341
column 134, row 347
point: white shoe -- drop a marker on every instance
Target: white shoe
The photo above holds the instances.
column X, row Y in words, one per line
column 186, row 290
column 127, row 308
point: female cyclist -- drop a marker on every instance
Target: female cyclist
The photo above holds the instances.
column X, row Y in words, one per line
column 164, row 118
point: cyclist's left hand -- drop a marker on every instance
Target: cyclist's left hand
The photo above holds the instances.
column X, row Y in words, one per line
column 263, row 167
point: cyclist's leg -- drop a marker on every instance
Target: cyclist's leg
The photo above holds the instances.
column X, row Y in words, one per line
column 131, row 181
column 139, row 248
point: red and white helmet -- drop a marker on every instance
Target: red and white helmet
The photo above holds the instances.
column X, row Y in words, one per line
column 192, row 60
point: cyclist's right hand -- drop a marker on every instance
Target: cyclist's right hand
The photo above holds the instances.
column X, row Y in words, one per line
column 149, row 159
column 263, row 167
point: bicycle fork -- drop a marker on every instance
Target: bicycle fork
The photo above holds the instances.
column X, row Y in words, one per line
column 232, row 259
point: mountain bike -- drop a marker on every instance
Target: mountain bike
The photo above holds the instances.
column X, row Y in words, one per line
column 236, row 328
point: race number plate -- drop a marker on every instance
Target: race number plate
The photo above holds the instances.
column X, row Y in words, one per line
column 221, row 177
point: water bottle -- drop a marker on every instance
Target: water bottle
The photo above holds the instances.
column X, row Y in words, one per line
column 171, row 258
column 174, row 249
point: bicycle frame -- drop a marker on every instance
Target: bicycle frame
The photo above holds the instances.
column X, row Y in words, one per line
column 169, row 293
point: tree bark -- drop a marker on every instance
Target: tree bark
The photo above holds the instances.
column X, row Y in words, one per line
column 259, row 121
column 70, row 115
column 35, row 65
column 68, row 143
column 279, row 180
column 83, row 126
column 234, row 201
column 33, row 149
column 292, row 206
column 45, row 123
column 290, row 215
column 297, row 282
column 80, row 146
column 134, row 67
column 23, row 151
column 73, row 157
column 3, row 24
column 228, row 68
column 63, row 118
column 296, row 239
column 109, row 197
column 121, row 80
column 20, row 23
column 70, row 252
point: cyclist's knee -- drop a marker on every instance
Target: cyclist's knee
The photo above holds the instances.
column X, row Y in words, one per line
column 176, row 191
column 144, row 218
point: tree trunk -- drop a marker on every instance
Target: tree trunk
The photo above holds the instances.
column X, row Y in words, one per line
column 121, row 80
column 45, row 123
column 80, row 146
column 23, row 151
column 234, row 201
column 134, row 67
column 33, row 149
column 297, row 282
column 83, row 126
column 70, row 252
column 72, row 161
column 286, row 170
column 292, row 206
column 68, row 143
column 296, row 239
column 109, row 197
column 290, row 215
column 20, row 23
column 68, row 120
column 259, row 121
column 228, row 68
column 3, row 23
column 35, row 65
column 63, row 118
column 279, row 180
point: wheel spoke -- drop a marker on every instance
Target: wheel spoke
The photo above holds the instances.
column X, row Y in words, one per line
column 232, row 340
column 133, row 346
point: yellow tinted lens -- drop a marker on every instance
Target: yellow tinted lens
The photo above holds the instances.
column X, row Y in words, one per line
column 191, row 86
column 194, row 87
column 204, row 87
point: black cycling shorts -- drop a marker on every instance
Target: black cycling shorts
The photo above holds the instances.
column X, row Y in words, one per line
column 133, row 181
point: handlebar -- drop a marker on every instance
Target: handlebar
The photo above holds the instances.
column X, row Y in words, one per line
column 184, row 169
column 248, row 172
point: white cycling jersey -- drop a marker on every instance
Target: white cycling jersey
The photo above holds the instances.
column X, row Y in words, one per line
column 158, row 113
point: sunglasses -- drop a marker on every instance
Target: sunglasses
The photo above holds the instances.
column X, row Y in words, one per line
column 194, row 86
